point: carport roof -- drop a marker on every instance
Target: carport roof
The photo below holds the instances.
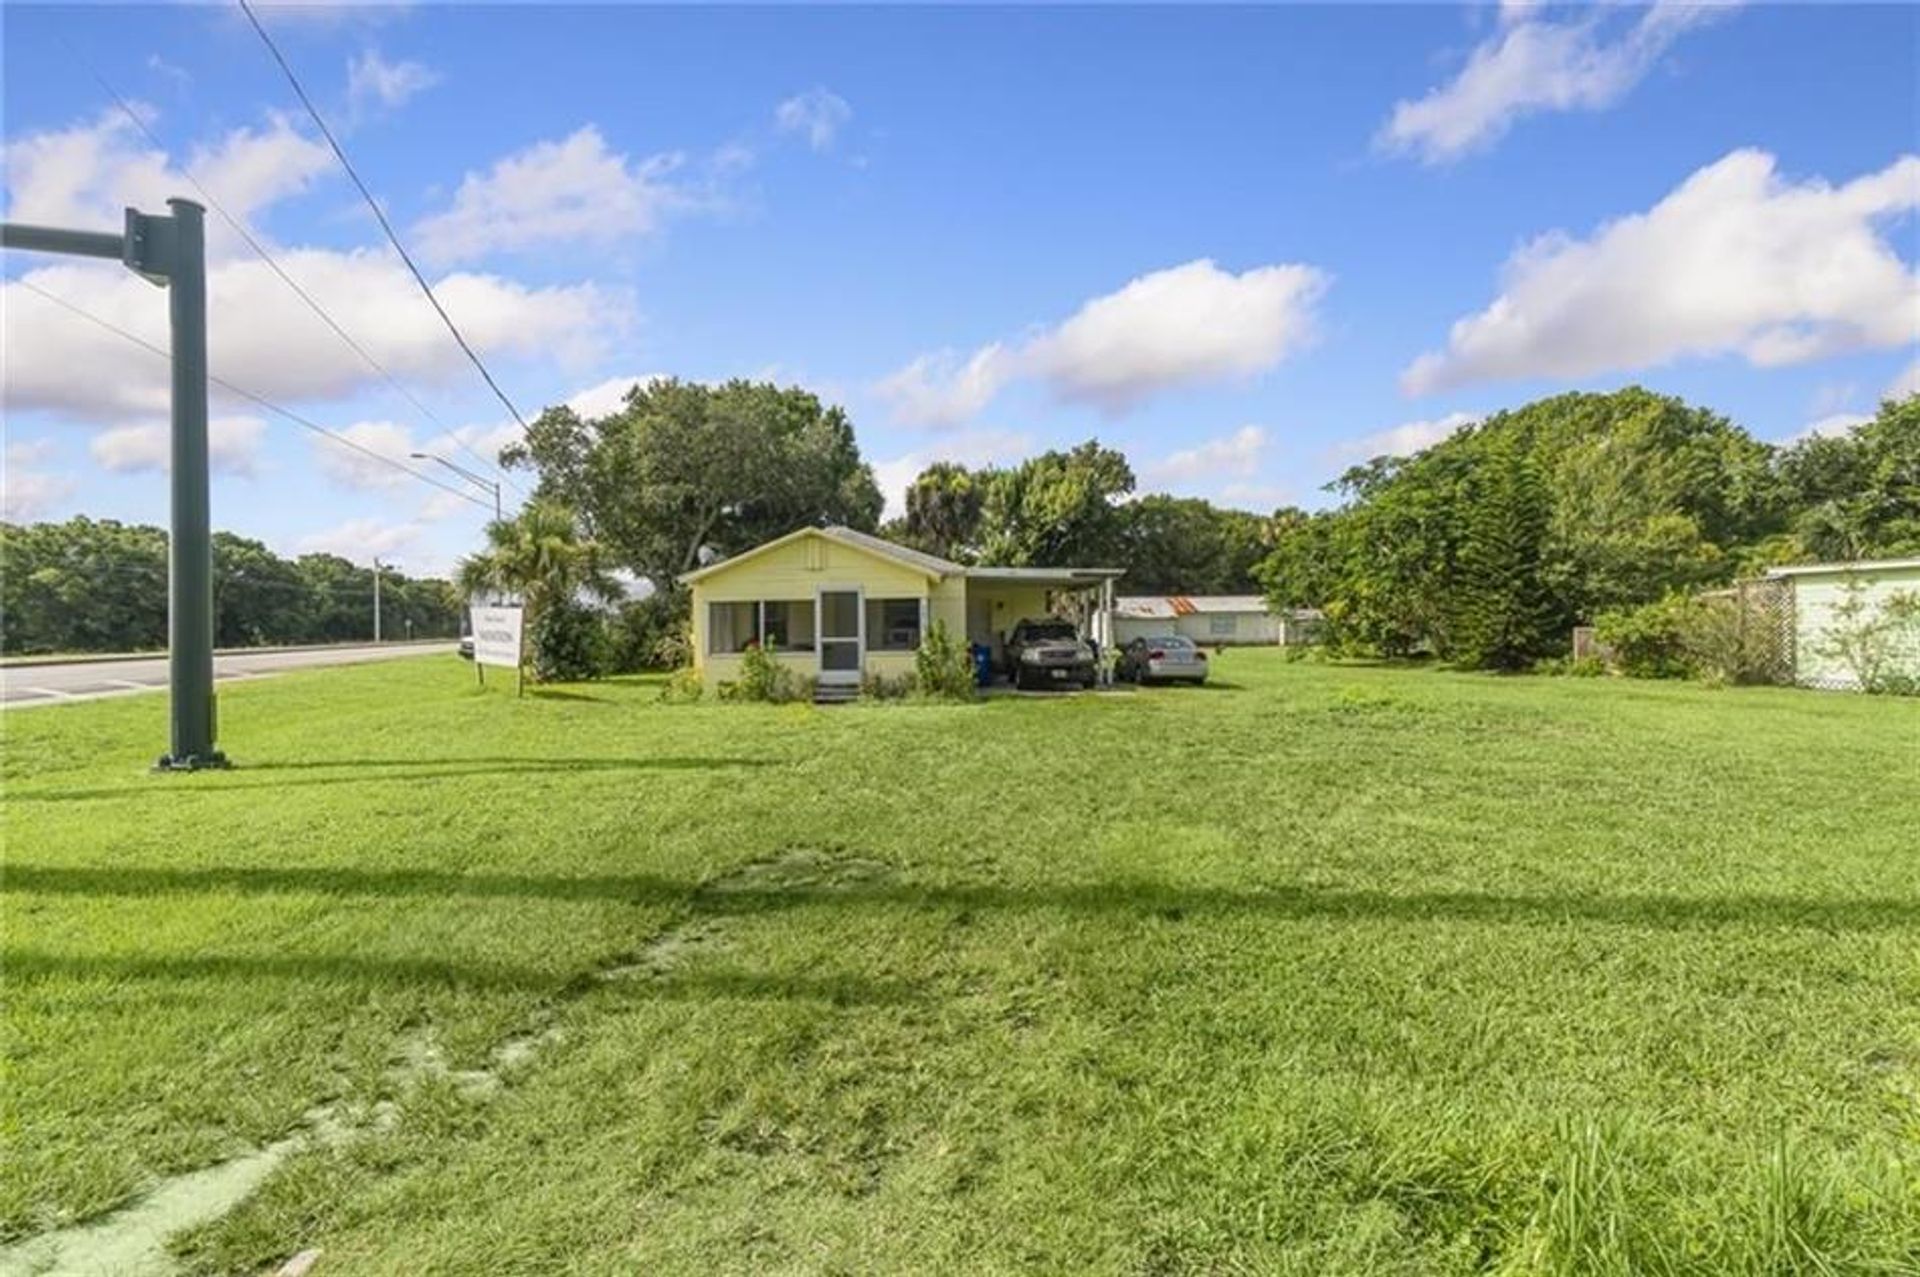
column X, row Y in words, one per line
column 1045, row 576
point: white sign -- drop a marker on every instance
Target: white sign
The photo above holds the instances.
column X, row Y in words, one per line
column 496, row 636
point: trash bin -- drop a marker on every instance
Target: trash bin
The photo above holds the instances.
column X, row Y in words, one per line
column 982, row 664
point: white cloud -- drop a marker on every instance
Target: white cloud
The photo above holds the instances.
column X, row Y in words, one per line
column 352, row 468
column 1253, row 494
column 87, row 174
column 817, row 113
column 609, row 396
column 29, row 452
column 1736, row 260
column 940, row 389
column 263, row 338
column 27, row 494
column 1169, row 328
column 971, row 448
column 372, row 81
column 574, row 191
column 1407, row 438
column 443, row 505
column 1837, row 426
column 1236, row 454
column 1531, row 65
column 233, row 446
column 361, row 539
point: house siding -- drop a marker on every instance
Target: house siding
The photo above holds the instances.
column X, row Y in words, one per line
column 796, row 571
column 1816, row 595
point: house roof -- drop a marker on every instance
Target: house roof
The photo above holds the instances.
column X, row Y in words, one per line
column 1858, row 565
column 930, row 564
column 920, row 561
column 1167, row 606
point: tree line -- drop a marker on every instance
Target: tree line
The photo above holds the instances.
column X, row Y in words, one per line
column 685, row 473
column 98, row 585
column 1487, row 548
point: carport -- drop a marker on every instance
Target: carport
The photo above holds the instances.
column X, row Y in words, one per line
column 998, row 598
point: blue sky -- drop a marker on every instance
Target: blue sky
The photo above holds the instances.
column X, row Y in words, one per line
column 1249, row 246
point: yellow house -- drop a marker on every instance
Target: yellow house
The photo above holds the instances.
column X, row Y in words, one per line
column 839, row 604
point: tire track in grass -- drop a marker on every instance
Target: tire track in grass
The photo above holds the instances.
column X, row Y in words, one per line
column 133, row 1239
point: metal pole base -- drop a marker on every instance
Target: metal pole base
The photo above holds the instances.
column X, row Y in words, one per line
column 216, row 761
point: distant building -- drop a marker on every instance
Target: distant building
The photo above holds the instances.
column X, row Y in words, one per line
column 1820, row 588
column 1215, row 620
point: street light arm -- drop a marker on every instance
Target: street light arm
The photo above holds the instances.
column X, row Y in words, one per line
column 462, row 471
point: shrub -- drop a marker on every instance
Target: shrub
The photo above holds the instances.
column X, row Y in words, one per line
column 1649, row 641
column 882, row 687
column 684, row 688
column 764, row 678
column 943, row 667
column 1880, row 646
column 1725, row 644
column 650, row 633
column 569, row 643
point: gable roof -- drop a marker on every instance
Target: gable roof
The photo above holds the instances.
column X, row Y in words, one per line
column 928, row 564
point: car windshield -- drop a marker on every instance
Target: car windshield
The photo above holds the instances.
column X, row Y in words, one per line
column 1050, row 630
column 1169, row 640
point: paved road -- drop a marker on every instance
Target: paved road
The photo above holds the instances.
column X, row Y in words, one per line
column 25, row 685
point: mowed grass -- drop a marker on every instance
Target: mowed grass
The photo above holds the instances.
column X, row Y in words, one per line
column 1322, row 970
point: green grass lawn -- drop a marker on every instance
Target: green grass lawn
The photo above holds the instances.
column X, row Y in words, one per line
column 1321, row 970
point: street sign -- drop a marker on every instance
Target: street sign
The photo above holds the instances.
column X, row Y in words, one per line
column 496, row 636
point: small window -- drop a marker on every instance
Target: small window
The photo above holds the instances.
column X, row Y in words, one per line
column 790, row 623
column 893, row 625
column 731, row 626
column 1221, row 626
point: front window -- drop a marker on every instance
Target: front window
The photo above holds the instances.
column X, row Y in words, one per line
column 785, row 624
column 893, row 625
column 789, row 623
column 1221, row 626
column 731, row 627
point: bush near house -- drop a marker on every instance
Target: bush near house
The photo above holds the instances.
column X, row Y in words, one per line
column 943, row 666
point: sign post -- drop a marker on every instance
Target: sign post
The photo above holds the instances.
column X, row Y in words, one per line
column 496, row 639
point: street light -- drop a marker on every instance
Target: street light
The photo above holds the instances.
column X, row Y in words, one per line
column 480, row 481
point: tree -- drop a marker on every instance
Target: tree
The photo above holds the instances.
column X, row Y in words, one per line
column 1858, row 496
column 1184, row 545
column 683, row 471
column 1056, row 509
column 1501, row 612
column 943, row 510
column 540, row 556
column 90, row 585
column 259, row 598
column 1641, row 495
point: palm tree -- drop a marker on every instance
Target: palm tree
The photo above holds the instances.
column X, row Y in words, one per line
column 539, row 555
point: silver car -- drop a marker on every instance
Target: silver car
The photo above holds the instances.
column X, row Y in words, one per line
column 1157, row 658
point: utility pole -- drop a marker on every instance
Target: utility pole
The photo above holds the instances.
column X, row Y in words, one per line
column 376, row 597
column 171, row 252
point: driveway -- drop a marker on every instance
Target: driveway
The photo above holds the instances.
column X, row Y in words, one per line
column 22, row 686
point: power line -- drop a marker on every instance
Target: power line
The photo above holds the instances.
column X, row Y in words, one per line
column 260, row 250
column 379, row 213
column 262, row 401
